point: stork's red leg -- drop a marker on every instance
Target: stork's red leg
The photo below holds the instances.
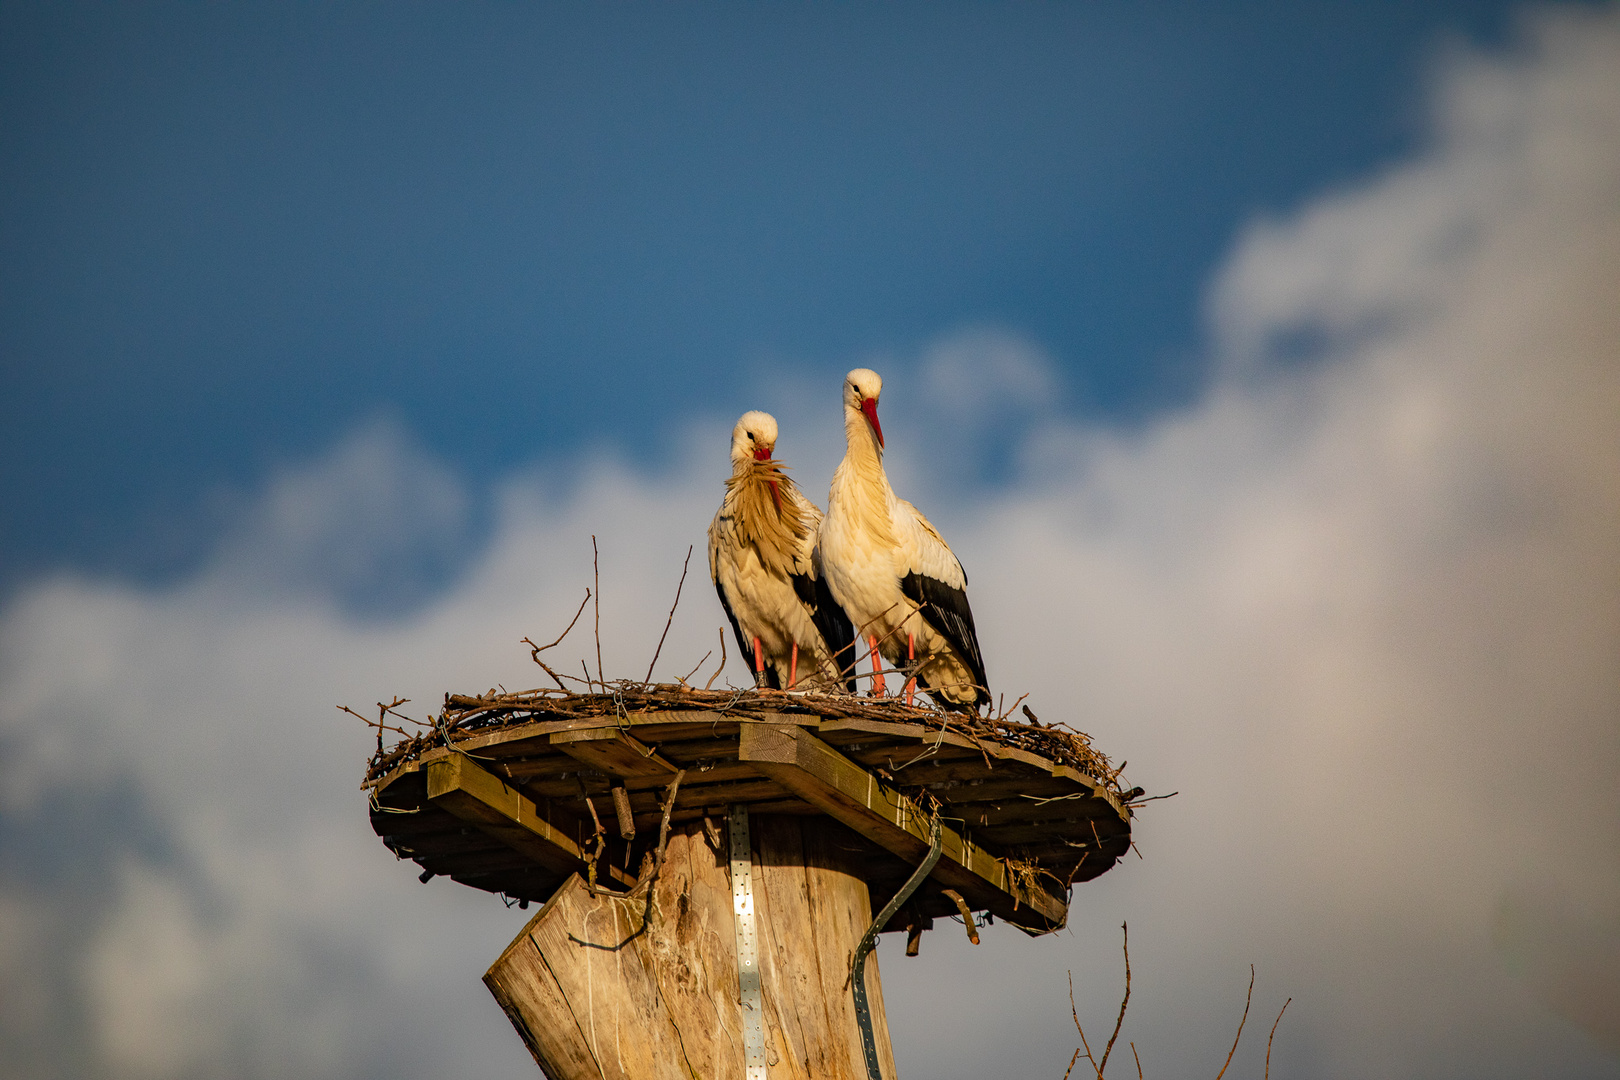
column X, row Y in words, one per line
column 759, row 663
column 877, row 668
column 793, row 666
column 911, row 657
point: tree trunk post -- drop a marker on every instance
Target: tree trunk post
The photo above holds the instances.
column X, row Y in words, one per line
column 647, row 988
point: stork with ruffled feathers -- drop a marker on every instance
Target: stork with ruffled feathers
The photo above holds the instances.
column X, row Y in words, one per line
column 766, row 569
column 892, row 572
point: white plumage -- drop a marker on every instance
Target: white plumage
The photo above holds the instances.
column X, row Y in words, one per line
column 763, row 559
column 891, row 571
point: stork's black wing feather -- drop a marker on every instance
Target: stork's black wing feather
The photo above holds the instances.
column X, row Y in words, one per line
column 836, row 629
column 946, row 610
column 744, row 644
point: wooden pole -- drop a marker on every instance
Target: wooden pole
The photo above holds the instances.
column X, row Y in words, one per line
column 646, row 988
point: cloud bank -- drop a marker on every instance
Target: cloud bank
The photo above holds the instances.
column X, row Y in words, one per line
column 1360, row 605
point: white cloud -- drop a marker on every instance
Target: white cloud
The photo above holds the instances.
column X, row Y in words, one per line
column 1361, row 610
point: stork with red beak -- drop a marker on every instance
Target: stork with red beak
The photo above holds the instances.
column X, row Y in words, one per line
column 892, row 572
column 765, row 566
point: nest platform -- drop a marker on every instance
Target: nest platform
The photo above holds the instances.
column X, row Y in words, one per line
column 513, row 793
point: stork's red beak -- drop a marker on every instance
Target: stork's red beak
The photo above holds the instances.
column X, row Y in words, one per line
column 762, row 453
column 869, row 407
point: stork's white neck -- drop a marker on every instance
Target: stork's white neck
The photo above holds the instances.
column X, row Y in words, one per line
column 862, row 441
column 860, row 489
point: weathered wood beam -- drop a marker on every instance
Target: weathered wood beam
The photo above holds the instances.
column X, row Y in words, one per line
column 525, row 740
column 820, row 775
column 457, row 784
column 612, row 751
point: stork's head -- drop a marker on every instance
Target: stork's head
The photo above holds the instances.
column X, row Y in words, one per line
column 754, row 437
column 861, row 389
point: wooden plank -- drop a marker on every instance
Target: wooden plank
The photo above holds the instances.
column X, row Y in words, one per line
column 531, row 766
column 1061, row 816
column 459, row 785
column 794, row 807
column 1004, row 786
column 820, row 775
column 759, row 789
column 840, row 730
column 611, row 750
column 663, row 725
column 719, row 773
column 1026, row 833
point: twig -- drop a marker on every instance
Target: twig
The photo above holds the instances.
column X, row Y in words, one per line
column 671, row 618
column 722, row 666
column 1273, row 1035
column 663, row 826
column 379, row 726
column 1245, row 1019
column 1125, row 928
column 682, row 679
column 596, row 570
column 860, row 640
column 657, row 856
column 382, row 714
column 1076, row 1014
column 536, row 650
column 600, row 836
column 1138, row 1057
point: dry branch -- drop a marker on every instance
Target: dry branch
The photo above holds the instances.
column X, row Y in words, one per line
column 1084, row 1049
column 1273, row 1035
column 1241, row 1022
column 1126, row 1000
column 722, row 666
column 596, row 573
column 536, row 650
column 646, row 681
column 465, row 714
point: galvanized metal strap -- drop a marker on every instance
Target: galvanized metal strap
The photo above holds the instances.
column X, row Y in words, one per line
column 857, row 964
column 742, row 907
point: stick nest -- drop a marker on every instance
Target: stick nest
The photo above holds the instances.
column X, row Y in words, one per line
column 467, row 715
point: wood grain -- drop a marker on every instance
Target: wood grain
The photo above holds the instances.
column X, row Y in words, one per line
column 646, row 988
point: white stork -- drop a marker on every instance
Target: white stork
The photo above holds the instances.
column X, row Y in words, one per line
column 891, row 571
column 763, row 559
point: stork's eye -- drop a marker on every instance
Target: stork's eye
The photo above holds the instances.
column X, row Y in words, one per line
column 750, row 436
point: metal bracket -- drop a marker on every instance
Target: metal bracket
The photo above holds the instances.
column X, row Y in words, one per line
column 857, row 963
column 742, row 907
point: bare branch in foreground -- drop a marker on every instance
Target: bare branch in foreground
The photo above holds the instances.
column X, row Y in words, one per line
column 1126, row 1000
column 1273, row 1035
column 1245, row 1020
column 1083, row 1043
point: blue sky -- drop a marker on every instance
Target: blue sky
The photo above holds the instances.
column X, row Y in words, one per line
column 231, row 232
column 1264, row 371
